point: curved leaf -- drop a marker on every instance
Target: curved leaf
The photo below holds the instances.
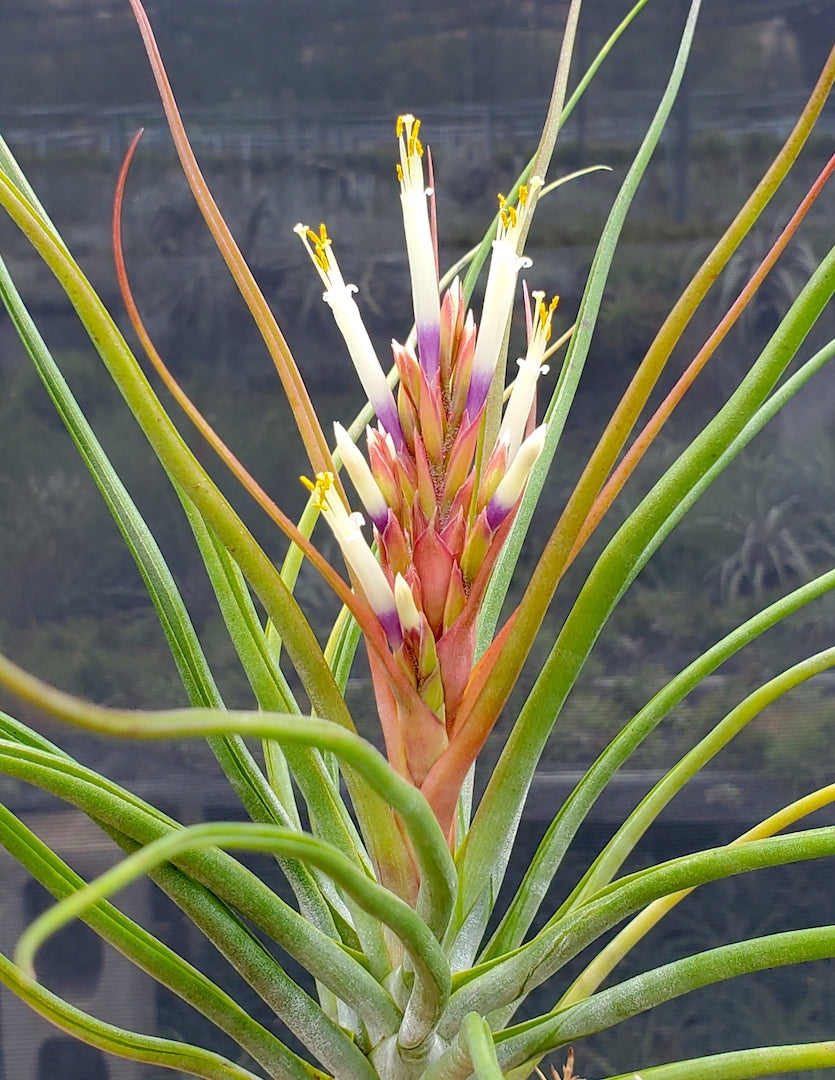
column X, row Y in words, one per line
column 508, row 979
column 636, row 995
column 129, row 1044
column 232, row 885
column 572, row 813
column 437, row 873
column 147, row 952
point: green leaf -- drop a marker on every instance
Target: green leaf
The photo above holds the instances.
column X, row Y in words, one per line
column 129, row 1044
column 572, row 813
column 481, row 861
column 616, row 851
column 476, row 1033
column 232, row 885
column 617, row 947
column 178, row 460
column 432, row 976
column 636, row 995
column 437, row 872
column 742, row 1064
column 234, row 757
column 148, row 953
column 507, row 980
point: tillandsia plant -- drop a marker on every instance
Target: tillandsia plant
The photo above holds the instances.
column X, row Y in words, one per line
column 414, row 971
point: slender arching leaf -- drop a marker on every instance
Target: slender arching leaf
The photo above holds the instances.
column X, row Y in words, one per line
column 627, row 835
column 143, row 949
column 236, row 943
column 234, row 886
column 609, row 1007
column 176, row 456
column 432, row 976
column 548, row 857
column 506, row 980
column 608, row 957
column 437, row 873
column 233, row 756
column 743, row 1064
column 130, row 1044
column 481, row 865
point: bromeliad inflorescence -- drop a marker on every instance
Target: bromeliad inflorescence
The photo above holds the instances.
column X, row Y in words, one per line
column 440, row 501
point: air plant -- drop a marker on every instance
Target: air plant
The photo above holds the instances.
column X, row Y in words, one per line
column 414, row 971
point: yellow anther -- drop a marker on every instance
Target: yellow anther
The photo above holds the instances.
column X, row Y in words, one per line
column 399, row 169
column 523, row 195
column 320, row 243
column 507, row 213
column 323, row 484
column 406, row 122
column 415, row 146
column 544, row 313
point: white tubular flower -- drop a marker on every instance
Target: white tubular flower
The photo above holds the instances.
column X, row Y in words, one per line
column 419, row 246
column 513, row 482
column 361, row 477
column 505, row 265
column 407, row 609
column 339, row 298
column 357, row 554
column 530, row 368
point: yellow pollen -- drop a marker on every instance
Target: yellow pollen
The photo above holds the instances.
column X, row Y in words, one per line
column 321, row 242
column 323, row 484
column 507, row 213
column 399, row 169
column 413, row 144
column 545, row 314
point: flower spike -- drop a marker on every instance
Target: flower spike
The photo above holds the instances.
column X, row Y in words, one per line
column 439, row 521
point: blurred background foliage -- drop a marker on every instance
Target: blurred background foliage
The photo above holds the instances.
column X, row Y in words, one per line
column 70, row 598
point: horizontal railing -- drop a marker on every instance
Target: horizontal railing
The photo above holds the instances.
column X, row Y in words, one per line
column 304, row 129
